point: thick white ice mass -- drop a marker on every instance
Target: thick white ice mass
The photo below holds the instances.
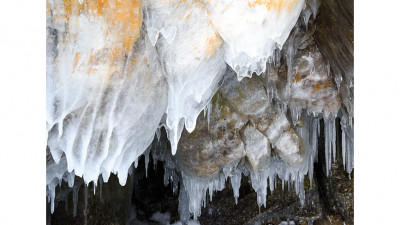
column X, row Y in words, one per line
column 252, row 29
column 117, row 71
column 99, row 114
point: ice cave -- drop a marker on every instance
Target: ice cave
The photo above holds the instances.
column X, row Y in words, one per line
column 199, row 111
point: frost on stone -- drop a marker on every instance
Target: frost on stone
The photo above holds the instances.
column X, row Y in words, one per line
column 204, row 151
column 242, row 23
column 257, row 146
column 245, row 128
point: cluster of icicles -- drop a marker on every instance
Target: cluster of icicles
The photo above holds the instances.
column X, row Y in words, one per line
column 118, row 71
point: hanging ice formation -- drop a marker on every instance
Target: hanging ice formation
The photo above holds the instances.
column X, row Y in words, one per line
column 191, row 56
column 243, row 23
column 118, row 71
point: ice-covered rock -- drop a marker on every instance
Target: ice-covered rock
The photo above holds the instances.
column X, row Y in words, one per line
column 335, row 38
column 203, row 152
column 241, row 23
column 312, row 87
column 257, row 145
column 241, row 124
column 119, row 71
column 99, row 114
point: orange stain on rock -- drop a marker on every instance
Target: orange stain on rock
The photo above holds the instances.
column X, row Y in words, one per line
column 122, row 19
column 321, row 85
column 72, row 8
column 297, row 77
column 212, row 43
column 96, row 6
column 273, row 4
column 68, row 8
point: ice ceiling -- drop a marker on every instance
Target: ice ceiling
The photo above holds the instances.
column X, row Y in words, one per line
column 119, row 71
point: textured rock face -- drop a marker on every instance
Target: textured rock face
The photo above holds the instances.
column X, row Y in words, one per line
column 264, row 73
column 335, row 38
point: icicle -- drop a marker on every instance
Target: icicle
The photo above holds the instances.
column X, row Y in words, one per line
column 344, row 148
column 327, row 146
column 289, row 62
column 158, row 133
column 302, row 194
column 197, row 190
column 260, row 184
column 71, row 178
column 183, row 206
column 313, row 140
column 333, row 128
column 306, row 17
column 347, row 142
column 209, row 110
column 51, row 188
column 271, row 183
column 350, row 152
column 136, row 162
column 314, row 5
column 235, row 182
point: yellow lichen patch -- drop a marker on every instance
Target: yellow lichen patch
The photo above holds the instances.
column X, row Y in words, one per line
column 212, row 43
column 273, row 4
column 321, row 85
